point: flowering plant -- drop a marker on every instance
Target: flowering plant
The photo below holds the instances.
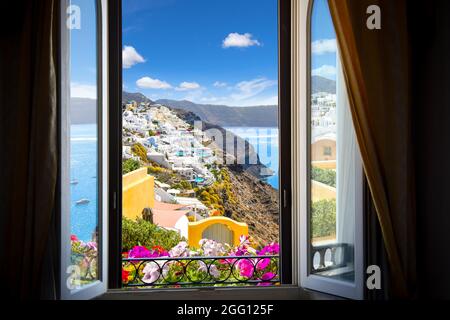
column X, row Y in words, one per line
column 84, row 255
column 239, row 264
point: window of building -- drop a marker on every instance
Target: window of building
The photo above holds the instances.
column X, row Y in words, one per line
column 327, row 151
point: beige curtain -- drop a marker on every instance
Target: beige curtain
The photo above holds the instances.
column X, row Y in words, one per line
column 377, row 71
column 28, row 129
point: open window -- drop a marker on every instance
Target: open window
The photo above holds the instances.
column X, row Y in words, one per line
column 84, row 145
column 332, row 208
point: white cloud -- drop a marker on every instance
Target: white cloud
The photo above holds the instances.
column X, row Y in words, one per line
column 149, row 83
column 249, row 89
column 219, row 84
column 259, row 91
column 239, row 40
column 79, row 90
column 324, row 46
column 131, row 57
column 325, row 71
column 186, row 86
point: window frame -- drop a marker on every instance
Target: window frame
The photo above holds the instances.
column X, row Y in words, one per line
column 99, row 286
column 294, row 99
column 287, row 253
column 302, row 13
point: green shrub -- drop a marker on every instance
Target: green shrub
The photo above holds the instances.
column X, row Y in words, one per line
column 183, row 185
column 326, row 176
column 323, row 214
column 130, row 165
column 146, row 234
column 154, row 170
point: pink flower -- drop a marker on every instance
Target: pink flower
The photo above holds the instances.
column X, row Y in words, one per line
column 139, row 252
column 74, row 238
column 263, row 264
column 272, row 249
column 268, row 276
column 246, row 268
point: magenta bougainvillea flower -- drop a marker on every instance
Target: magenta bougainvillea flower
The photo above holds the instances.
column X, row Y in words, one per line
column 139, row 252
column 246, row 268
column 272, row 249
column 74, row 238
column 268, row 276
column 263, row 264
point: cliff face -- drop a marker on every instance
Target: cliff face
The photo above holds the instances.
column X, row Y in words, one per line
column 257, row 204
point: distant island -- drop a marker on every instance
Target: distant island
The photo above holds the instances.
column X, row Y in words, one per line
column 225, row 116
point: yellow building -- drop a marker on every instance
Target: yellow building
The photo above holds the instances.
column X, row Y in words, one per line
column 220, row 229
column 323, row 149
column 138, row 193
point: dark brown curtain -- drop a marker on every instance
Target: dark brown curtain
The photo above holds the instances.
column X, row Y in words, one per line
column 377, row 68
column 28, row 98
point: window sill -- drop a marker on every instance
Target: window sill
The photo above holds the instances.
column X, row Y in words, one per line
column 279, row 293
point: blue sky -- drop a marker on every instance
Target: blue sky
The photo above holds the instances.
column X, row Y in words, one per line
column 323, row 39
column 212, row 52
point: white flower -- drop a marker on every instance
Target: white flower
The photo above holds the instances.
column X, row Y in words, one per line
column 212, row 248
column 244, row 241
column 180, row 250
column 151, row 273
column 214, row 271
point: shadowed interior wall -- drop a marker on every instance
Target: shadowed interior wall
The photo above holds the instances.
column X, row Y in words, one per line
column 431, row 40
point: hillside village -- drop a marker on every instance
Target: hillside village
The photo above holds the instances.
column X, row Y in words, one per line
column 190, row 182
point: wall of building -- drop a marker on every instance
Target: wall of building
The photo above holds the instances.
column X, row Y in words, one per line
column 182, row 226
column 318, row 147
column 138, row 193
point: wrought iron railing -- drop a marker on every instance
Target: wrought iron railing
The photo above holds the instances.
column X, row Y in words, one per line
column 166, row 272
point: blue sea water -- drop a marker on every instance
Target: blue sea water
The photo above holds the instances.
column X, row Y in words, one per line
column 83, row 169
column 265, row 141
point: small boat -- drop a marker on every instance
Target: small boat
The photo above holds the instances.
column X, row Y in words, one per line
column 83, row 201
column 73, row 182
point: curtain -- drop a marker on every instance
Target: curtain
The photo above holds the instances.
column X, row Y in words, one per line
column 375, row 248
column 377, row 72
column 28, row 98
column 347, row 150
